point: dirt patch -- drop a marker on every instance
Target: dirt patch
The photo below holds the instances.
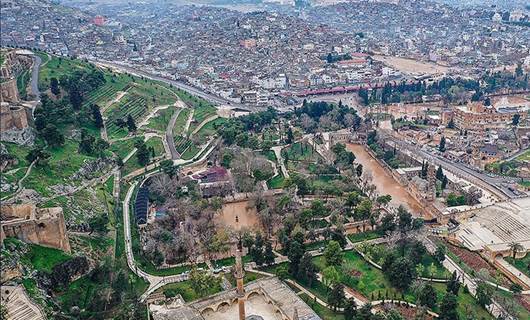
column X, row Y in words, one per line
column 411, row 66
column 476, row 262
column 239, row 215
column 524, row 301
column 356, row 273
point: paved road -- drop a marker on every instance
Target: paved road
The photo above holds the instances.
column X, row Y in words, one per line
column 169, row 135
column 492, row 184
column 34, row 84
column 181, row 85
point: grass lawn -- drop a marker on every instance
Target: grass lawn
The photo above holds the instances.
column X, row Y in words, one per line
column 161, row 119
column 157, row 145
column 201, row 112
column 58, row 66
column 131, row 165
column 363, row 236
column 180, row 122
column 323, row 312
column 22, row 83
column 43, row 258
column 62, row 164
column 123, row 147
column 190, row 152
column 249, row 276
column 186, row 291
column 277, row 182
column 525, row 156
column 521, row 264
column 209, row 130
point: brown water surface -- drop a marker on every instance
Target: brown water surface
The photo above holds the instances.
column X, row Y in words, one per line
column 383, row 181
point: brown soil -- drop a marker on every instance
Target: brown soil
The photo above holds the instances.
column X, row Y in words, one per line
column 356, row 273
column 476, row 262
column 524, row 301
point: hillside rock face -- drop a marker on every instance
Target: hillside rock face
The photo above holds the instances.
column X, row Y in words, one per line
column 71, row 270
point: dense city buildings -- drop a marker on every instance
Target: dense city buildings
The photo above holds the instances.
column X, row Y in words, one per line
column 265, row 160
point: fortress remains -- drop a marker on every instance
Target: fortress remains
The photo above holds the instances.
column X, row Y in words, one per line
column 42, row 226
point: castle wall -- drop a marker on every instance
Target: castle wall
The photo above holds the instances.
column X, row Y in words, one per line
column 44, row 227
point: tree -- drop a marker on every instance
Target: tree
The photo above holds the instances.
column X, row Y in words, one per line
column 39, row 155
column 247, row 240
column 428, row 296
column 269, row 256
column 330, row 276
column 76, row 99
column 96, row 115
column 484, row 294
column 98, row 224
column 256, row 251
column 453, row 285
column 350, row 310
column 142, row 153
column 441, row 147
column 445, row 181
column 53, row 136
column 365, row 312
column 336, row 296
column 515, row 247
column 448, row 307
column 167, row 167
column 404, row 219
column 439, row 254
column 451, row 124
column 515, row 120
column 388, row 223
column 516, row 288
column 295, row 254
column 201, row 282
column 359, row 170
column 131, row 124
column 54, row 86
column 333, row 254
column 307, row 271
column 401, row 272
column 290, row 136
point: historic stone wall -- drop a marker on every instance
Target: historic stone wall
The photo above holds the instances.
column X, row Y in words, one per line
column 45, row 227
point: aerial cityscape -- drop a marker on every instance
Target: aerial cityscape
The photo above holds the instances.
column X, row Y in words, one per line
column 265, row 159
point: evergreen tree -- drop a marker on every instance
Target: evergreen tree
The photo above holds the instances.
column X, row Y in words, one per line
column 448, row 307
column 307, row 271
column 53, row 136
column 54, row 86
column 427, row 296
column 294, row 254
column 96, row 115
column 441, row 147
column 336, row 296
column 453, row 285
column 439, row 173
column 333, row 254
column 445, row 181
column 269, row 256
column 256, row 251
column 350, row 310
column 131, row 124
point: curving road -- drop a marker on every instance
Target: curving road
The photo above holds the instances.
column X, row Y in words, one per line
column 179, row 84
column 34, row 84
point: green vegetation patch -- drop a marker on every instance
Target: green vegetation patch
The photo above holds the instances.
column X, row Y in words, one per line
column 63, row 163
column 161, row 119
column 43, row 258
column 521, row 264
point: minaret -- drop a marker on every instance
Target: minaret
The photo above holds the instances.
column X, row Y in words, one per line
column 239, row 274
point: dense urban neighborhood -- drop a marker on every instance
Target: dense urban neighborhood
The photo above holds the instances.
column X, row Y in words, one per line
column 265, row 160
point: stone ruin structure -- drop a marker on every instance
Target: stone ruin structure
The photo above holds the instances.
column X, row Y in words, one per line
column 14, row 113
column 42, row 226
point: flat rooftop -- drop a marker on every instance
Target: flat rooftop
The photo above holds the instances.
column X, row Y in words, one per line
column 497, row 226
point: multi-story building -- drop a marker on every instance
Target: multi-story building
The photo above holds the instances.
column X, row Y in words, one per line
column 477, row 116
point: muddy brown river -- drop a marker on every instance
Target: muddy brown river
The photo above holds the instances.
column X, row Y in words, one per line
column 383, row 181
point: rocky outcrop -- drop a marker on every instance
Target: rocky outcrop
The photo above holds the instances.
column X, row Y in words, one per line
column 66, row 272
